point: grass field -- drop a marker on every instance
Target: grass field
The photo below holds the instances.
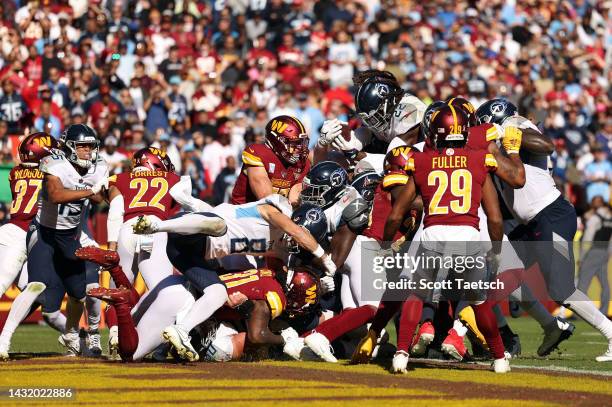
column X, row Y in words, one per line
column 568, row 377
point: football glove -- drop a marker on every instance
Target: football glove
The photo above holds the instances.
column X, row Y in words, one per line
column 512, row 140
column 330, row 266
column 353, row 144
column 100, row 185
column 327, row 284
column 289, row 334
column 329, row 131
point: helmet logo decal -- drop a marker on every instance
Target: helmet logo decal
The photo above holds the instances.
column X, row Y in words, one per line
column 313, row 215
column 382, row 89
column 498, row 108
column 311, row 295
column 278, row 126
column 158, row 152
column 336, row 178
column 43, row 141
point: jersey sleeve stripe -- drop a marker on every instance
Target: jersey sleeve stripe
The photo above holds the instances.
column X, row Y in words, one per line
column 275, row 303
column 395, row 179
column 490, row 161
column 251, row 159
column 491, row 134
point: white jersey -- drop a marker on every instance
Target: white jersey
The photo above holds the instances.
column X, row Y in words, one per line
column 539, row 190
column 247, row 231
column 408, row 113
column 66, row 216
column 333, row 214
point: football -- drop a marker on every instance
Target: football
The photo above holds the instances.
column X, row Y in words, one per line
column 346, row 131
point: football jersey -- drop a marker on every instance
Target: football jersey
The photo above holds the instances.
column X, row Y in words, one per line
column 283, row 176
column 25, row 183
column 333, row 214
column 407, row 114
column 255, row 285
column 247, row 231
column 146, row 193
column 450, row 182
column 68, row 215
column 539, row 190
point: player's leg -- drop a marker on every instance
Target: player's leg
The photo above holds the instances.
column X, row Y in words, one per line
column 153, row 261
column 92, row 305
column 13, row 254
column 189, row 224
column 127, row 243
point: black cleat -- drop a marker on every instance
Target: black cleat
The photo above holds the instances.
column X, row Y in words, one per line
column 512, row 342
column 556, row 333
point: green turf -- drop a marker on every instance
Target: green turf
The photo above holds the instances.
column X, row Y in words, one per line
column 576, row 353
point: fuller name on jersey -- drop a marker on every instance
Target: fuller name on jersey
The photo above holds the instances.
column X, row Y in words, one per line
column 25, row 183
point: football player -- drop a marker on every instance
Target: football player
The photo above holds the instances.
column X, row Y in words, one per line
column 197, row 238
column 276, row 167
column 150, row 188
column 72, row 177
column 544, row 216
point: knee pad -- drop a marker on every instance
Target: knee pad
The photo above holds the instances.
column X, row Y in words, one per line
column 35, row 287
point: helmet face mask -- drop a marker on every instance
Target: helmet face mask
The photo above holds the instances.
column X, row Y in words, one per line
column 324, row 185
column 375, row 101
column 78, row 135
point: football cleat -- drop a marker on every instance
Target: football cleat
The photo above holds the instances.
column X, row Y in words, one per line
column 144, row 226
column 111, row 295
column 606, row 357
column 365, row 348
column 113, row 343
column 501, row 365
column 320, row 345
column 4, row 351
column 181, row 342
column 512, row 342
column 425, row 335
column 160, row 354
column 94, row 346
column 400, row 362
column 555, row 334
column 105, row 258
column 453, row 345
column 72, row 343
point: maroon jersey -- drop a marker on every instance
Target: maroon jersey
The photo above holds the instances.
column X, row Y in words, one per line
column 146, row 193
column 450, row 182
column 381, row 208
column 256, row 285
column 282, row 176
column 25, row 183
column 480, row 136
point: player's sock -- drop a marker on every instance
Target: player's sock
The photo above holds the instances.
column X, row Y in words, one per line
column 213, row 298
column 110, row 315
column 409, row 319
column 74, row 311
column 192, row 224
column 459, row 328
column 93, row 307
column 537, row 311
column 386, row 310
column 20, row 309
column 429, row 311
column 510, row 280
column 346, row 321
column 485, row 319
column 56, row 320
column 499, row 316
column 121, row 280
column 585, row 309
column 128, row 336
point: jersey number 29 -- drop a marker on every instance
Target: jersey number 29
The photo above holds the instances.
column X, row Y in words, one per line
column 460, row 187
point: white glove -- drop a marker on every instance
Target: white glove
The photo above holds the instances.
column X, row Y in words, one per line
column 101, row 184
column 330, row 266
column 289, row 334
column 341, row 144
column 329, row 131
column 327, row 284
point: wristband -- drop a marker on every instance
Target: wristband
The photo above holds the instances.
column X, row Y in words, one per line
column 319, row 252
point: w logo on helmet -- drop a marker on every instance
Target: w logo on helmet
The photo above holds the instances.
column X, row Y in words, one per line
column 157, row 152
column 43, row 141
column 311, row 295
column 278, row 126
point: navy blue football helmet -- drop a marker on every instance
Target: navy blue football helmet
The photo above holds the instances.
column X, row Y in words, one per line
column 427, row 117
column 324, row 185
column 311, row 218
column 495, row 111
column 79, row 134
column 375, row 102
column 366, row 184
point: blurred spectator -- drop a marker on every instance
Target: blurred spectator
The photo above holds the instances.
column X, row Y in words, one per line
column 46, row 121
column 224, row 183
column 12, row 107
column 216, row 152
column 598, row 175
column 113, row 157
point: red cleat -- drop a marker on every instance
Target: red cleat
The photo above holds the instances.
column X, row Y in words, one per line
column 105, row 258
column 111, row 295
column 422, row 339
column 453, row 345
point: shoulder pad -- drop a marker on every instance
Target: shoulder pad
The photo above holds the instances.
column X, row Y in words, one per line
column 53, row 164
column 279, row 202
column 356, row 214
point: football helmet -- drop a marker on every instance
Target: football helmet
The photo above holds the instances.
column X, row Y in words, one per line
column 448, row 127
column 366, row 184
column 375, row 102
column 287, row 137
column 311, row 218
column 302, row 291
column 495, row 111
column 35, row 147
column 427, row 117
column 463, row 103
column 324, row 185
column 153, row 159
column 397, row 160
column 80, row 134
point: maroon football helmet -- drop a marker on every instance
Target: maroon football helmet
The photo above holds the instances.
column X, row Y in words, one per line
column 463, row 103
column 397, row 160
column 303, row 290
column 153, row 159
column 287, row 137
column 34, row 147
column 448, row 127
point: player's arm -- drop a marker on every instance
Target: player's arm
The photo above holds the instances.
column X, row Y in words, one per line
column 115, row 216
column 259, row 182
column 258, row 331
column 58, row 194
column 341, row 244
column 403, row 197
column 536, row 142
column 294, row 194
column 495, row 220
column 510, row 169
column 181, row 193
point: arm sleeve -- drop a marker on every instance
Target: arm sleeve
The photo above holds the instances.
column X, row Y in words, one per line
column 115, row 218
column 181, row 193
